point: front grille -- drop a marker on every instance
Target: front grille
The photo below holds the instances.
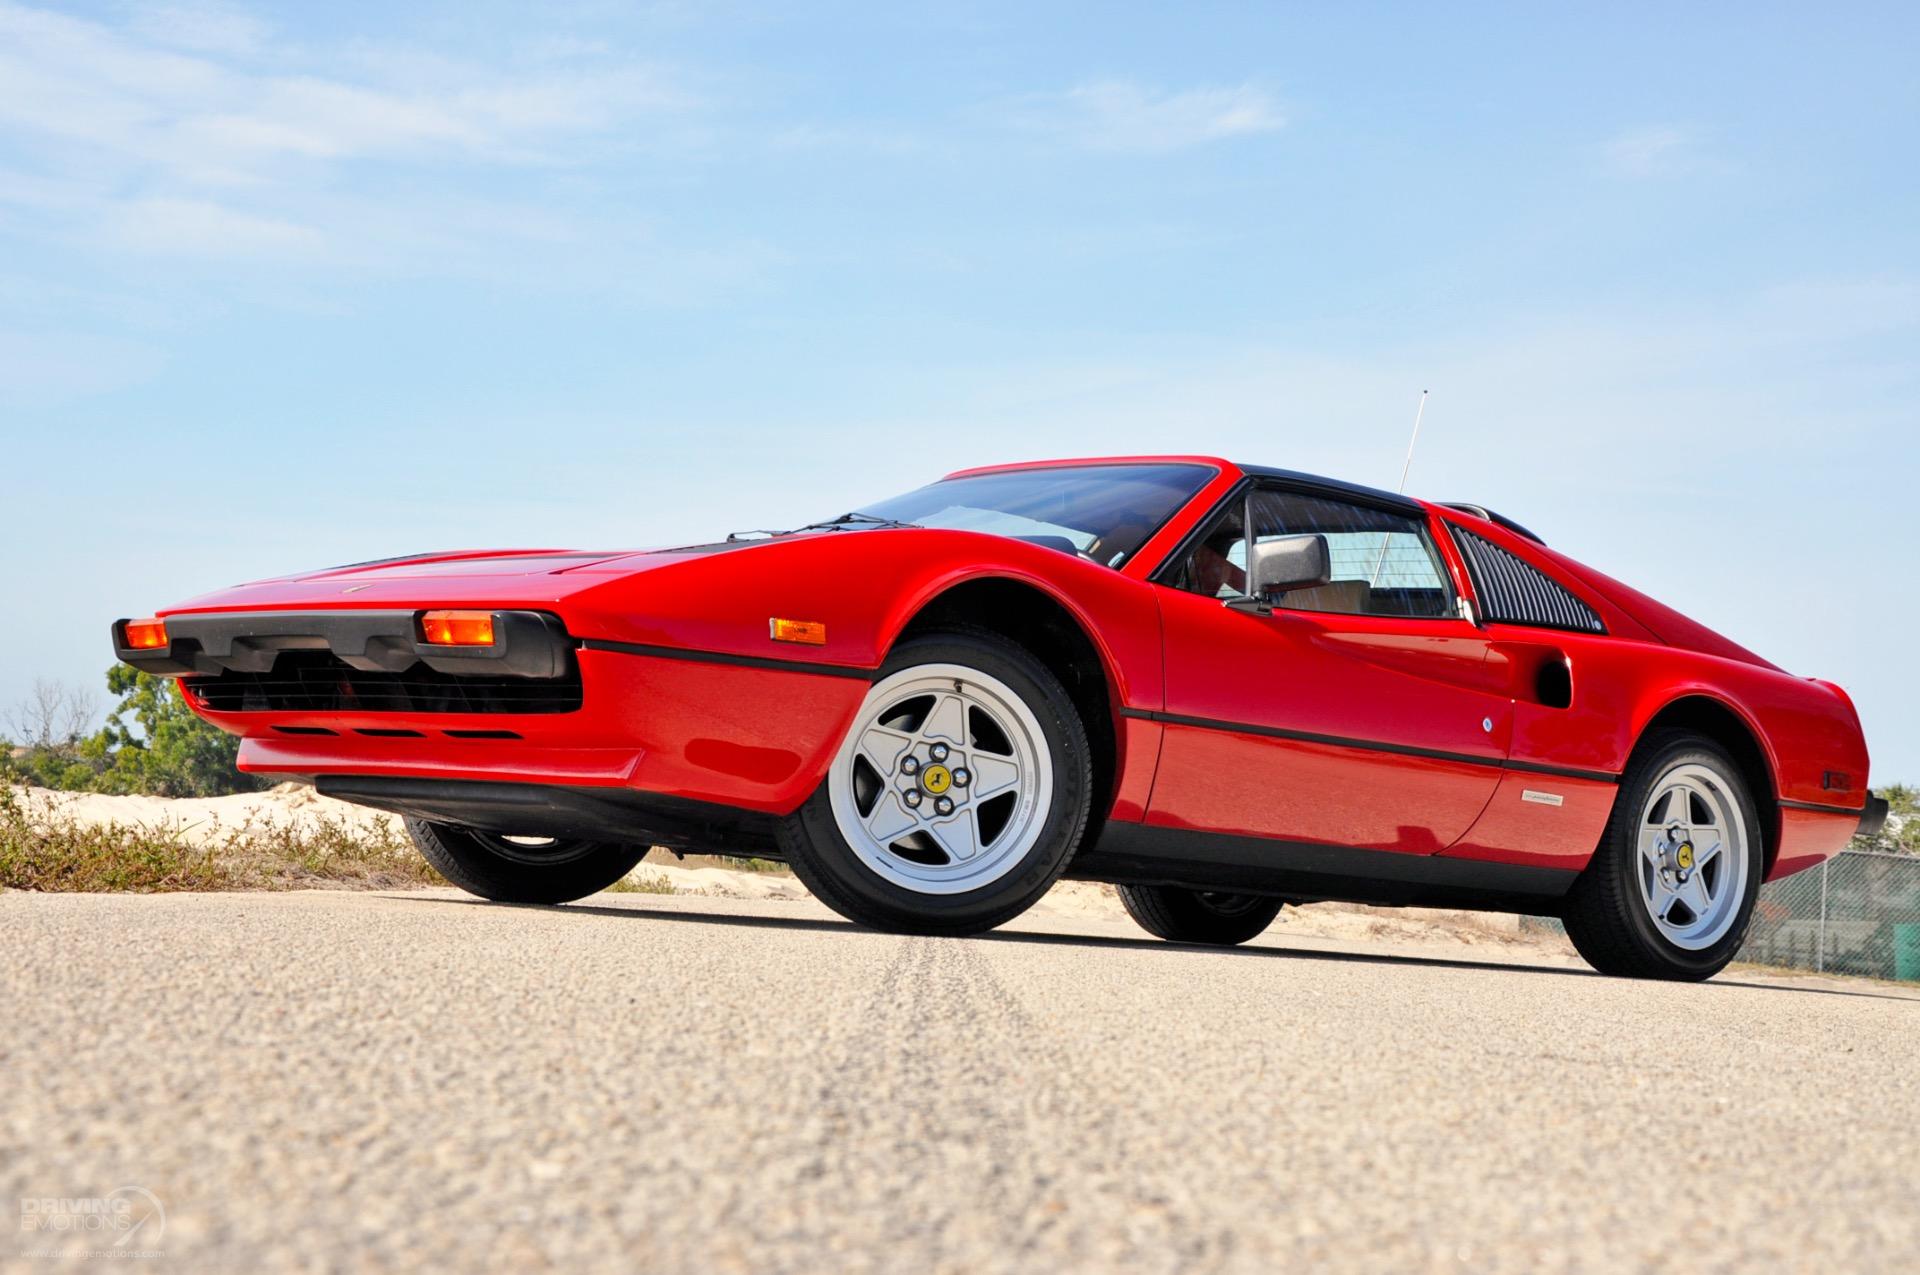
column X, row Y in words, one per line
column 318, row 682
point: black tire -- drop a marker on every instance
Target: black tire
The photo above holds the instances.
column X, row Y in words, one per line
column 1604, row 912
column 819, row 855
column 493, row 867
column 1199, row 916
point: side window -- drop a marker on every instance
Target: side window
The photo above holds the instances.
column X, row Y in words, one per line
column 1512, row 591
column 1216, row 565
column 1383, row 563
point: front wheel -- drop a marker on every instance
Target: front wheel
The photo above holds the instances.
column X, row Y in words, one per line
column 521, row 869
column 1671, row 889
column 1199, row 916
column 956, row 799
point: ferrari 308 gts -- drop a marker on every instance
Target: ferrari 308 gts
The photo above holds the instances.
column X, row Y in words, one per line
column 1224, row 688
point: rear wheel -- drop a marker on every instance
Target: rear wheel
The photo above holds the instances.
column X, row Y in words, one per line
column 1671, row 889
column 521, row 869
column 960, row 792
column 1199, row 916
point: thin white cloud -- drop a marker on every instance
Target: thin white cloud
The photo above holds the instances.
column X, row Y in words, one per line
column 1118, row 115
column 39, row 369
column 1659, row 150
column 199, row 228
column 187, row 129
column 81, row 81
column 201, row 27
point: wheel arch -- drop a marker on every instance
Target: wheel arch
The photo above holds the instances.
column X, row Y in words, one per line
column 1727, row 726
column 1042, row 622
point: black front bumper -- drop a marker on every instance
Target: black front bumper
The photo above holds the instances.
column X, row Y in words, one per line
column 525, row 643
column 1873, row 818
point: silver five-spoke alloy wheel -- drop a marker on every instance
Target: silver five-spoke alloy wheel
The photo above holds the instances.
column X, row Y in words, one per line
column 945, row 780
column 1693, row 856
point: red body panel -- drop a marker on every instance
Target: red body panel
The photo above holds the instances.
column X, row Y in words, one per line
column 1806, row 730
column 1416, row 686
column 1516, row 829
column 1410, row 736
column 754, row 738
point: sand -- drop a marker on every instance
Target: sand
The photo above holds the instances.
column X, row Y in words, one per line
column 212, row 819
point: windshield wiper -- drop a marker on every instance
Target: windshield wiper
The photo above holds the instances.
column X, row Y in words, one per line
column 842, row 523
column 854, row 520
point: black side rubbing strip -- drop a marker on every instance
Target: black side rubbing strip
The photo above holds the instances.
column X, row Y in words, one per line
column 1512, row 591
column 1818, row 808
column 1372, row 745
column 723, row 657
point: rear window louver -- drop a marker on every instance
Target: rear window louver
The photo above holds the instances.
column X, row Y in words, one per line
column 1512, row 592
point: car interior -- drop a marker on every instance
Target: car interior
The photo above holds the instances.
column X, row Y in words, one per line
column 1383, row 563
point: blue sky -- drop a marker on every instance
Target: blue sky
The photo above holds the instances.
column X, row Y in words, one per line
column 285, row 287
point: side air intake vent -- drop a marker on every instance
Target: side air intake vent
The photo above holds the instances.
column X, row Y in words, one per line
column 1512, row 592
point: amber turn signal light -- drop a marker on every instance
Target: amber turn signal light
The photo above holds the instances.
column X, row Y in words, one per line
column 808, row 632
column 145, row 635
column 457, row 628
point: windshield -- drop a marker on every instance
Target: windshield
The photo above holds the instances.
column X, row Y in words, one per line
column 1103, row 512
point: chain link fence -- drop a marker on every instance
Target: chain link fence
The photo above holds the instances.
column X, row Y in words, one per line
column 1857, row 913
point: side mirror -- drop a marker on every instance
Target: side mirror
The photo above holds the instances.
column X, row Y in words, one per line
column 1289, row 562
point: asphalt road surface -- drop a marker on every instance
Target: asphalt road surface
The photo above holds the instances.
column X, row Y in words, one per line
column 333, row 1080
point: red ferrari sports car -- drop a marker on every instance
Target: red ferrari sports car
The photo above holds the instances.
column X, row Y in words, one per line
column 1222, row 687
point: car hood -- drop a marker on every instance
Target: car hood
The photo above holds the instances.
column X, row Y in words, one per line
column 477, row 577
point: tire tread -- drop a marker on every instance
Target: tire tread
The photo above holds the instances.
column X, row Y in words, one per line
column 796, row 838
column 453, row 853
column 1176, row 915
column 1599, row 910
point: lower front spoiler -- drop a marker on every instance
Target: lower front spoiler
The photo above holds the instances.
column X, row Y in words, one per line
column 552, row 810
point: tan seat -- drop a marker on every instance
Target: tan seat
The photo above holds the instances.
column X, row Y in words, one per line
column 1347, row 597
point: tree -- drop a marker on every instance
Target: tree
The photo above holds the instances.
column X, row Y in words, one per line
column 151, row 743
column 53, row 716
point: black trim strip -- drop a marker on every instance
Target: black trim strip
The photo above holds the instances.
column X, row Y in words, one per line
column 1373, row 745
column 724, row 657
column 1816, row 807
column 1142, row 854
column 1336, row 489
column 1564, row 772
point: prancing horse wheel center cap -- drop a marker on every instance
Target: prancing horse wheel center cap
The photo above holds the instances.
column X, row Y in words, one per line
column 936, row 779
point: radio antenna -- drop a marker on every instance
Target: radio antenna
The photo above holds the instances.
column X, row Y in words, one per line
column 1413, row 442
column 1405, row 468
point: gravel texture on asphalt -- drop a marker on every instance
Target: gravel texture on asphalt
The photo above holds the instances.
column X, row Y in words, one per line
column 331, row 1081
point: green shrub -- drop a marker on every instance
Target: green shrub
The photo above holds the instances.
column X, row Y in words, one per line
column 45, row 847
